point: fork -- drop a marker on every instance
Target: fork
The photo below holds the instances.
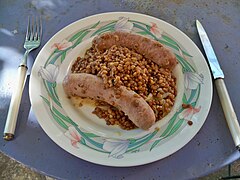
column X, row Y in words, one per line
column 32, row 41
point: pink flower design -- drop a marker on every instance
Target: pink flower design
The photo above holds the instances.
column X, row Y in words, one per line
column 155, row 30
column 188, row 113
column 74, row 136
column 63, row 45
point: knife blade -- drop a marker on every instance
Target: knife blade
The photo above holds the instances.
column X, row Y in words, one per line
column 212, row 58
column 218, row 76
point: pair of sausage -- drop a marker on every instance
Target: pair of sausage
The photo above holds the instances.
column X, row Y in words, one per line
column 87, row 85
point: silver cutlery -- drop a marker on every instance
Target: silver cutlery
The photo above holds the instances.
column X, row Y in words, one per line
column 32, row 41
column 218, row 76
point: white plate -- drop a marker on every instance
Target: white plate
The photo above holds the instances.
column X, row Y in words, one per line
column 81, row 133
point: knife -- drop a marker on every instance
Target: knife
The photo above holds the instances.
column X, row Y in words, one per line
column 218, row 77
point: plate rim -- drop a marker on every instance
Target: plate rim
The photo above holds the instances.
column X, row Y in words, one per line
column 119, row 13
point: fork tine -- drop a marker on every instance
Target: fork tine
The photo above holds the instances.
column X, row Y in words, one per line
column 36, row 29
column 28, row 29
column 40, row 28
column 32, row 30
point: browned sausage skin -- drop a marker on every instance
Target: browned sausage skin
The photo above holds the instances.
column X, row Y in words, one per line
column 87, row 85
column 151, row 49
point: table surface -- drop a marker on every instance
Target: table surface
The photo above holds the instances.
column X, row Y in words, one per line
column 211, row 149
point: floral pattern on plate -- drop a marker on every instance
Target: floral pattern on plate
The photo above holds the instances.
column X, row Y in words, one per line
column 117, row 148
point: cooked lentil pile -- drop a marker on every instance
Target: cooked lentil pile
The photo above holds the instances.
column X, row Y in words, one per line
column 120, row 66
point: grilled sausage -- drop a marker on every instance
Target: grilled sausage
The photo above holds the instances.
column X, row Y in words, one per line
column 87, row 85
column 151, row 49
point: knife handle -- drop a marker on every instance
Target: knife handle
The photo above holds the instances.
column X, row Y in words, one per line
column 228, row 110
column 14, row 104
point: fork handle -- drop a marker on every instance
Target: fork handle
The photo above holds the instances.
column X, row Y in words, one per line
column 15, row 103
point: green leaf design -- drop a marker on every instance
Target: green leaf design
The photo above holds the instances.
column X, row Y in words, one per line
column 155, row 144
column 79, row 40
column 50, row 57
column 106, row 30
column 143, row 137
column 133, row 140
column 88, row 139
column 185, row 53
column 176, row 47
column 98, row 150
column 64, row 118
column 193, row 93
column 54, row 59
column 142, row 33
column 102, row 29
column 95, row 25
column 144, row 29
column 63, row 56
column 199, row 90
column 52, row 93
column 75, row 36
column 168, row 39
column 176, row 127
column 166, row 132
column 91, row 135
column 170, row 125
column 193, row 104
column 172, row 131
column 184, row 99
column 82, row 141
column 137, row 22
column 184, row 66
column 148, row 27
column 81, row 34
column 58, row 120
column 169, row 44
column 188, row 67
column 138, row 144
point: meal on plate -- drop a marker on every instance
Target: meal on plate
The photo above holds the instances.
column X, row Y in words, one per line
column 129, row 76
